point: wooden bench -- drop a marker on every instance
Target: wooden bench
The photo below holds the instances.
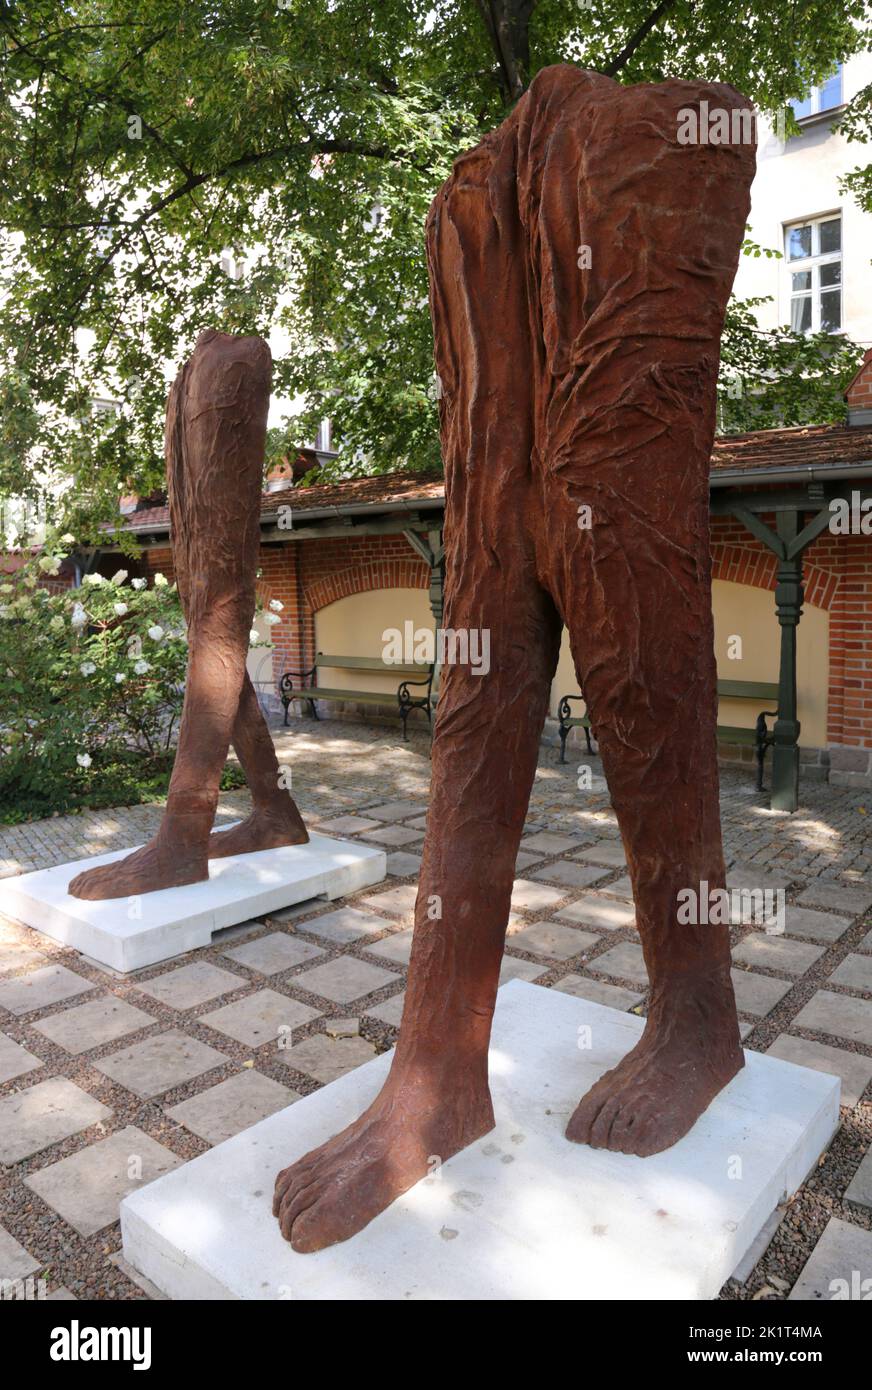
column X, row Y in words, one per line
column 307, row 690
column 759, row 738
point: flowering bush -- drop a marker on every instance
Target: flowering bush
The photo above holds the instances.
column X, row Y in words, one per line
column 92, row 683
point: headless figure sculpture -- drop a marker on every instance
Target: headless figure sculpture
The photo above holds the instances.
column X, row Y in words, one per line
column 567, row 384
column 215, row 437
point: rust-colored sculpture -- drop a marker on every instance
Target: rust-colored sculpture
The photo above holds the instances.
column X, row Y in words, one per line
column 215, row 436
column 568, row 381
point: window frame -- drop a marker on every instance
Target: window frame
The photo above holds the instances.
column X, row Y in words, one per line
column 812, row 264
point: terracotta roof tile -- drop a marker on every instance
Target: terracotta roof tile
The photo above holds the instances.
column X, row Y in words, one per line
column 809, row 446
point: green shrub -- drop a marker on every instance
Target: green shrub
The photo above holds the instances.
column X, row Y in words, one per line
column 92, row 682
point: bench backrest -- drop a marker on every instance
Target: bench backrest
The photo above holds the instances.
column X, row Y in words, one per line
column 747, row 690
column 371, row 663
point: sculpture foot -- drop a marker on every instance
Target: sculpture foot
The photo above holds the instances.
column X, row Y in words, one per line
column 260, row 830
column 337, row 1189
column 660, row 1089
column 145, row 871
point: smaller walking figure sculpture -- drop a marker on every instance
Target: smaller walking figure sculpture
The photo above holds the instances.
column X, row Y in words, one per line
column 581, row 258
column 215, row 439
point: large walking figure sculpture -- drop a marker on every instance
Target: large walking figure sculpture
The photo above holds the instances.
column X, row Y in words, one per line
column 569, row 380
column 215, row 438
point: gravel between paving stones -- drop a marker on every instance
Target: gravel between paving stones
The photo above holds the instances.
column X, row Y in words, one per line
column 828, row 840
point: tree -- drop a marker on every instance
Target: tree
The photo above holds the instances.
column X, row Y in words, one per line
column 139, row 141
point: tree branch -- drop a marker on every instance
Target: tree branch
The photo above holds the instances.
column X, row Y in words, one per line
column 615, row 64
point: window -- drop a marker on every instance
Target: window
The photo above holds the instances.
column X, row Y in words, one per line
column 824, row 98
column 813, row 252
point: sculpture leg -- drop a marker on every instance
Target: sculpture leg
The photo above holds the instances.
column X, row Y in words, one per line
column 216, row 428
column 275, row 819
column 637, row 599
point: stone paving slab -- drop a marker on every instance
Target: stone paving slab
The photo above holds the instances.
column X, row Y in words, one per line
column 528, row 896
column 396, row 948
column 548, row 843
column 854, row 1070
column 594, row 911
column 598, row 992
column 15, row 1261
column 569, row 874
column 840, row 1264
column 33, row 1119
column 620, row 888
column 348, row 825
column 397, row 810
column 233, row 1105
column 158, row 1064
column 191, row 985
column 859, row 1189
column 14, row 956
column 839, row 1015
column 851, row 1068
column 400, row 864
column 86, row 1188
column 750, row 877
column 53, row 984
column 552, row 939
column 391, row 1011
column 345, row 925
column 90, row 1025
column 624, row 961
column 854, row 972
column 345, row 978
column 820, row 926
column 326, row 1059
column 274, row 953
column 399, row 901
column 757, row 994
column 777, row 953
column 15, row 1060
column 514, row 968
column 393, row 836
column 607, row 852
column 259, row 1018
column 847, row 898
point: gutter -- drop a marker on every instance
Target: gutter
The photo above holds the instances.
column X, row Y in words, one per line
column 720, row 478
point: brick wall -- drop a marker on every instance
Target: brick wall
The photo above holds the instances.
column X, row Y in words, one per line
column 837, row 572
column 307, row 575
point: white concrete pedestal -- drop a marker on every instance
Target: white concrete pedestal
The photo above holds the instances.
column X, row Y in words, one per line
column 128, row 933
column 521, row 1214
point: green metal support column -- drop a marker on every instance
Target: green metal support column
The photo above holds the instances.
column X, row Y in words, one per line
column 788, row 606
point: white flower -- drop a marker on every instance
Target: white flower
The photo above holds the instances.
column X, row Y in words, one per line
column 276, row 605
column 93, row 579
column 253, row 637
column 48, row 564
column 160, row 581
column 67, row 539
column 138, row 583
column 156, row 633
column 141, row 667
column 83, row 759
column 87, row 668
column 5, row 610
column 57, row 623
column 120, row 609
column 119, row 577
column 271, row 618
column 119, row 677
column 79, row 616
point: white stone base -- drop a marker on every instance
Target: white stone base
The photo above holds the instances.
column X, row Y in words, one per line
column 127, row 934
column 521, row 1214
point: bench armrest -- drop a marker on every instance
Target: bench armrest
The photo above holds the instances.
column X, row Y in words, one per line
column 286, row 684
column 564, row 709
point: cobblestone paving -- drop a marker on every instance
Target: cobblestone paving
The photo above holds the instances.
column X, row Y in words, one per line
column 163, row 1063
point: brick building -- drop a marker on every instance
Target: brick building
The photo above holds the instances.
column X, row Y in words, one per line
column 792, row 570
